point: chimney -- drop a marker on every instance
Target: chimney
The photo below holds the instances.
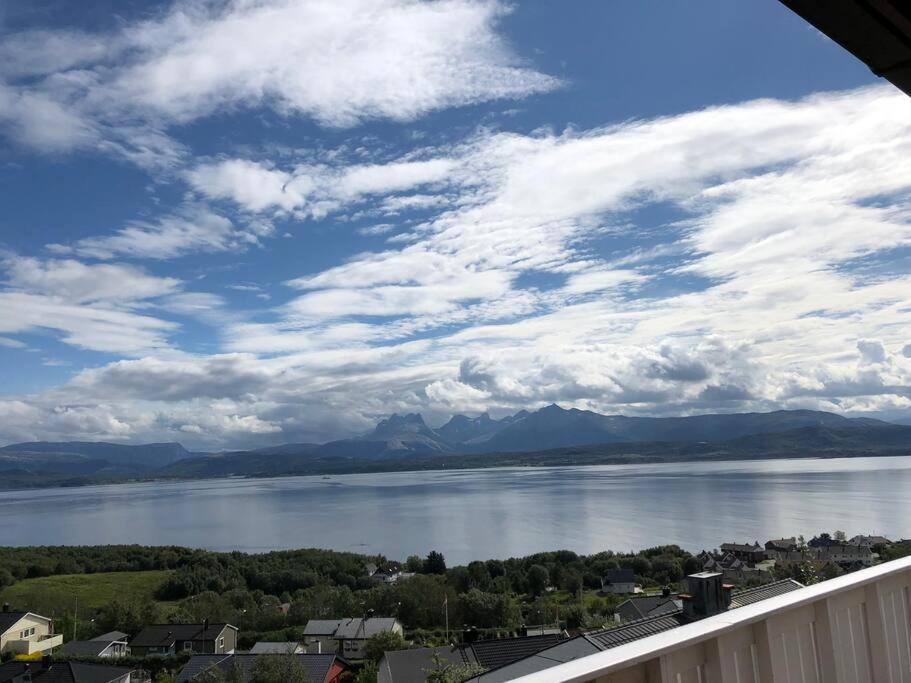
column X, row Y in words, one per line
column 205, row 624
column 666, row 592
column 469, row 635
column 706, row 596
column 6, row 607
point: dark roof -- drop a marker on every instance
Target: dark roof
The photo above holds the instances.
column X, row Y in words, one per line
column 769, row 590
column 111, row 636
column 164, row 635
column 566, row 651
column 634, row 630
column 495, row 653
column 357, row 628
column 878, row 33
column 620, row 576
column 7, row 619
column 649, row 605
column 317, row 666
column 412, row 666
column 63, row 672
column 88, row 648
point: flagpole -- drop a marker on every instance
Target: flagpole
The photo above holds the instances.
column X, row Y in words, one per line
column 446, row 608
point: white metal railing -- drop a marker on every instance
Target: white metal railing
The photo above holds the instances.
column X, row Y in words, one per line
column 852, row 629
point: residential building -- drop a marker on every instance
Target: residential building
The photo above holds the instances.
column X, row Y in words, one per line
column 26, row 633
column 619, row 581
column 319, row 635
column 319, row 668
column 782, row 544
column 745, row 552
column 412, row 666
column 707, row 596
column 277, row 648
column 869, row 541
column 47, row 671
column 95, row 648
column 352, row 634
column 845, row 554
column 169, row 639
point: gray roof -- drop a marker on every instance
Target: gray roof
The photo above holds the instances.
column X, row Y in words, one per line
column 769, row 590
column 9, row 619
column 412, row 666
column 86, row 648
column 647, row 606
column 111, row 636
column 274, row 648
column 322, row 627
column 62, row 672
column 358, row 628
column 165, row 635
column 620, row 576
column 567, row 651
column 634, row 630
column 316, row 666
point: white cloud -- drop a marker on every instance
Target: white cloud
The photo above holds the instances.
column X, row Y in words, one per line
column 339, row 63
column 81, row 283
column 194, row 228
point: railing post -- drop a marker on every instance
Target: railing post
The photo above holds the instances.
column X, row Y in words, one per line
column 825, row 651
column 763, row 651
column 876, row 634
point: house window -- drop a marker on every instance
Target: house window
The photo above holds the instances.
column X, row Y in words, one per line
column 188, row 646
column 27, row 632
column 221, row 642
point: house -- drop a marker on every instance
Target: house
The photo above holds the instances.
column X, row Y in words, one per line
column 47, row 671
column 26, row 633
column 169, row 639
column 412, row 666
column 702, row 600
column 619, row 581
column 352, row 634
column 113, row 644
column 94, row 648
column 782, row 544
column 869, row 541
column 319, row 635
column 274, row 648
column 745, row 552
column 319, row 668
column 845, row 554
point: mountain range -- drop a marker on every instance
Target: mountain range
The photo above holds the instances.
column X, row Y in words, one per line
column 549, row 436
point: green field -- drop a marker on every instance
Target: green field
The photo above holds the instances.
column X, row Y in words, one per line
column 56, row 595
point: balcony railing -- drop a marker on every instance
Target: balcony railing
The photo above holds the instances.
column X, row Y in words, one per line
column 852, row 629
column 30, row 646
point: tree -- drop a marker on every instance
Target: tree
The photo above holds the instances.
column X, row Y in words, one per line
column 538, row 577
column 449, row 672
column 366, row 674
column 435, row 563
column 384, row 641
column 414, row 564
column 279, row 669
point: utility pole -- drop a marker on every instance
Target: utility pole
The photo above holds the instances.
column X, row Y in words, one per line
column 446, row 610
column 75, row 615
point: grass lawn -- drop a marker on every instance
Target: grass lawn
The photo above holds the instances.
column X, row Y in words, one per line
column 55, row 595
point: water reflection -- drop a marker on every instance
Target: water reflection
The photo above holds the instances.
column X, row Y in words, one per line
column 473, row 514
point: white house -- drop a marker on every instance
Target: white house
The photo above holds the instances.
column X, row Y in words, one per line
column 25, row 633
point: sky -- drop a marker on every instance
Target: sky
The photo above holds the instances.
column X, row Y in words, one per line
column 250, row 222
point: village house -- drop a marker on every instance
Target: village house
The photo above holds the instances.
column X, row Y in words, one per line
column 745, row 552
column 869, row 541
column 619, row 581
column 169, row 639
column 346, row 637
column 26, row 633
column 109, row 645
column 277, row 648
column 784, row 545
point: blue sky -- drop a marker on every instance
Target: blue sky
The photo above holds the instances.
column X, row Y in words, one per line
column 239, row 223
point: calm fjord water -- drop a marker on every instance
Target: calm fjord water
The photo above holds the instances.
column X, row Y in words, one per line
column 479, row 514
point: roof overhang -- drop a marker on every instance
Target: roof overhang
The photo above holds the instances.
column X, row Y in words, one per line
column 878, row 32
